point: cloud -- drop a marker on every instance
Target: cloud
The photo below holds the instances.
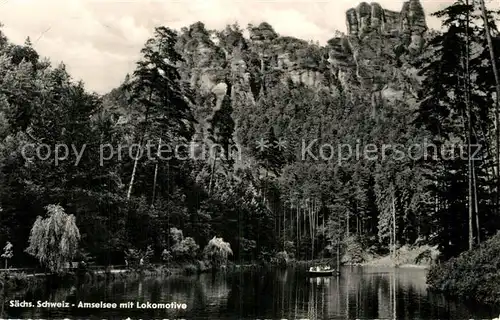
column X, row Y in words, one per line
column 100, row 40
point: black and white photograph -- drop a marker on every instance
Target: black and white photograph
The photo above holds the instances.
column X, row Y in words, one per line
column 249, row 160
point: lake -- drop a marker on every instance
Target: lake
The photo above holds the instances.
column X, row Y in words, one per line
column 359, row 293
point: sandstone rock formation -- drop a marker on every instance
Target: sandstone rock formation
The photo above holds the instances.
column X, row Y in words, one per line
column 203, row 58
column 413, row 25
column 377, row 39
column 367, row 18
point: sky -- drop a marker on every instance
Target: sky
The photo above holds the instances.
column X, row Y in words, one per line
column 100, row 40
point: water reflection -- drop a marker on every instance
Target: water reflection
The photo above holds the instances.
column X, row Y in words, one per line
column 283, row 294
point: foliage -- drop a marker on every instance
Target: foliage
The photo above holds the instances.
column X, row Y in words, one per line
column 190, row 269
column 471, row 275
column 353, row 252
column 54, row 239
column 282, row 258
column 217, row 251
column 166, row 255
column 139, row 258
column 7, row 252
column 443, row 112
column 183, row 248
column 176, row 235
column 186, row 249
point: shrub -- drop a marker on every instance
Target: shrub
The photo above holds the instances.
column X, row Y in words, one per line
column 190, row 269
column 186, row 249
column 134, row 257
column 204, row 266
column 471, row 275
column 176, row 235
column 183, row 248
column 281, row 259
column 166, row 255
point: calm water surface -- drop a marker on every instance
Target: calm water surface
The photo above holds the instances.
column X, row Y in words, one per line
column 359, row 293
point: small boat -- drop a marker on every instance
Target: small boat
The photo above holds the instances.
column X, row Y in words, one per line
column 321, row 272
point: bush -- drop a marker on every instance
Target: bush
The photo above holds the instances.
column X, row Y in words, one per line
column 281, row 259
column 176, row 235
column 471, row 275
column 166, row 255
column 190, row 269
column 204, row 266
column 14, row 280
column 186, row 249
column 134, row 257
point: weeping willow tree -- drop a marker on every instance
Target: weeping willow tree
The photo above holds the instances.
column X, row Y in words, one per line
column 217, row 251
column 54, row 239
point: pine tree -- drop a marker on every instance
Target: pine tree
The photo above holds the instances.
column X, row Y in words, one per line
column 452, row 109
column 157, row 89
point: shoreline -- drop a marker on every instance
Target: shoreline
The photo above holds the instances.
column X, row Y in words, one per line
column 405, row 257
column 393, row 265
column 190, row 269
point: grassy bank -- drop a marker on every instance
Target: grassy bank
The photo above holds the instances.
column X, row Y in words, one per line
column 473, row 275
column 405, row 257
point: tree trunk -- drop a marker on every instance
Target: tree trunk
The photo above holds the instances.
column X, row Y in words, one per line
column 284, row 226
column 324, row 232
column 394, row 221
column 338, row 244
column 469, row 130
column 136, row 160
column 470, row 200
column 297, row 224
column 313, row 223
column 394, row 296
column 347, row 223
column 156, row 174
column 134, row 170
column 476, row 205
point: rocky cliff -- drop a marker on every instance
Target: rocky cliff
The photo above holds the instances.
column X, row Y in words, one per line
column 373, row 56
column 377, row 45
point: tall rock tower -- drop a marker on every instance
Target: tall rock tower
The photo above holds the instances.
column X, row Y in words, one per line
column 377, row 41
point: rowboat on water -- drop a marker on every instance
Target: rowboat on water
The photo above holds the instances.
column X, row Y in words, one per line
column 322, row 272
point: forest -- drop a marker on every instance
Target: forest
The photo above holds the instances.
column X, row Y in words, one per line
column 256, row 100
